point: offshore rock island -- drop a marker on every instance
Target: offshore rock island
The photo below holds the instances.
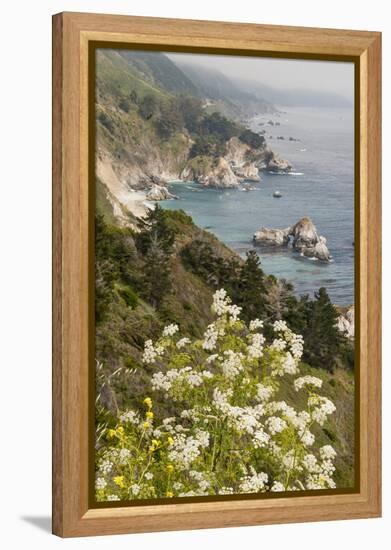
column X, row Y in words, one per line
column 301, row 237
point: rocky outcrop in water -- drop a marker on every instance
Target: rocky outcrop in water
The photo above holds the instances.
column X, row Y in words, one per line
column 271, row 237
column 211, row 173
column 277, row 164
column 302, row 237
column 159, row 193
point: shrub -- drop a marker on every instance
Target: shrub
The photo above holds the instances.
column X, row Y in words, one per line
column 231, row 432
column 252, row 139
column 106, row 121
column 129, row 296
column 148, row 106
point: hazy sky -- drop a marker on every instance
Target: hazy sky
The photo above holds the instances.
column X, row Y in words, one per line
column 327, row 76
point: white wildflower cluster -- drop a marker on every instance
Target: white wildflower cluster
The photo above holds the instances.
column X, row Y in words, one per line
column 254, row 483
column 123, row 456
column 105, row 466
column 186, row 449
column 294, row 341
column 222, row 306
column 255, row 324
column 129, row 416
column 319, row 473
column 260, row 438
column 276, row 424
column 307, row 381
column 255, row 348
column 100, row 483
column 185, row 375
column 151, row 353
column 135, row 489
column 278, row 344
column 264, row 393
column 170, row 330
column 321, row 408
column 230, row 417
column 327, row 452
column 277, row 487
column 183, row 342
column 210, row 337
column 232, row 363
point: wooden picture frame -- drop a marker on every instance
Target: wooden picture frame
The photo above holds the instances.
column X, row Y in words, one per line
column 72, row 318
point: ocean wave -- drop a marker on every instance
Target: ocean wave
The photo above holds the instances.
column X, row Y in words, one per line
column 285, row 173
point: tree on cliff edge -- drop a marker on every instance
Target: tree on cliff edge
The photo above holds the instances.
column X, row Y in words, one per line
column 155, row 242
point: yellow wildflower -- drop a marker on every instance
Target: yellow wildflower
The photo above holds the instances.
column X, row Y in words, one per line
column 148, row 402
column 170, row 440
column 169, row 494
column 146, row 425
column 120, row 430
column 149, row 415
column 119, row 480
column 154, row 446
column 111, row 433
column 170, row 468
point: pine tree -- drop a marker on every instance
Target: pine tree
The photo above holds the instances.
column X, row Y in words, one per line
column 251, row 291
column 155, row 241
column 323, row 339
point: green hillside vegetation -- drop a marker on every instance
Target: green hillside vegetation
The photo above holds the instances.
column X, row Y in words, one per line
column 150, row 116
column 167, row 272
column 164, row 269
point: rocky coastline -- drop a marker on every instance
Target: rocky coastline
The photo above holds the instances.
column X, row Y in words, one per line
column 301, row 237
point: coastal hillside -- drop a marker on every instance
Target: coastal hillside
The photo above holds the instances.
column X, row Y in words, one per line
column 224, row 94
column 156, row 268
column 154, row 125
column 165, row 273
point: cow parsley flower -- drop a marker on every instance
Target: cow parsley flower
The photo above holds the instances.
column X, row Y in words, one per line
column 264, row 393
column 222, row 306
column 254, row 483
column 255, row 324
column 232, row 364
column 100, row 483
column 277, row 487
column 276, row 424
column 135, row 489
column 255, row 349
column 289, row 364
column 210, row 337
column 260, row 439
column 280, row 326
column 323, row 410
column 129, row 416
column 183, row 342
column 170, row 330
column 151, row 352
column 305, row 381
column 327, row 452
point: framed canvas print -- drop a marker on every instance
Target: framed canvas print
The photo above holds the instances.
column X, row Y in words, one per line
column 216, row 230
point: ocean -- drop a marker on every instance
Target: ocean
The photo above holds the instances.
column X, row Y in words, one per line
column 320, row 186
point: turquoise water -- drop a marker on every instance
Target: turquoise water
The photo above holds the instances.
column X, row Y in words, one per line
column 321, row 187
